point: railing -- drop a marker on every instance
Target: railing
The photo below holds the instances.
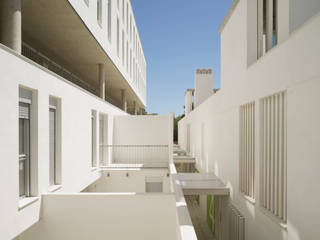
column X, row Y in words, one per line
column 42, row 60
column 146, row 155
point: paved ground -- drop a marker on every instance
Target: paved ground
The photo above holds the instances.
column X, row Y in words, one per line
column 198, row 220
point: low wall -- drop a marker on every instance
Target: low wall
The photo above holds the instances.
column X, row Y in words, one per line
column 116, row 180
column 105, row 216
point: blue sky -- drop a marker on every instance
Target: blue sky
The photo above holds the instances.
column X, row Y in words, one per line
column 178, row 36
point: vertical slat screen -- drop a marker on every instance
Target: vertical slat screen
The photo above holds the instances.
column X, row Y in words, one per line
column 247, row 149
column 273, row 152
column 236, row 224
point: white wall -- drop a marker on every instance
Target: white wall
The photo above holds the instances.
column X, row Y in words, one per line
column 89, row 17
column 118, row 181
column 141, row 130
column 76, row 107
column 153, row 132
column 292, row 66
column 106, row 216
column 301, row 11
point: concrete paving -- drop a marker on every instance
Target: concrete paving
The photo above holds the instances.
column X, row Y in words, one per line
column 198, row 220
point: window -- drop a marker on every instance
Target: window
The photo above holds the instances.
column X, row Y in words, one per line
column 54, row 142
column 24, row 149
column 267, row 26
column 127, row 18
column 118, row 37
column 247, row 149
column 86, row 2
column 273, row 155
column 103, row 139
column 131, row 29
column 127, row 55
column 130, row 62
column 99, row 12
column 123, row 48
column 122, row 11
column 109, row 19
column 26, row 159
column 93, row 139
column 118, row 4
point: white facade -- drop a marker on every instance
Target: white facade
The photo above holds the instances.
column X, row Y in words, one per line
column 212, row 131
column 124, row 46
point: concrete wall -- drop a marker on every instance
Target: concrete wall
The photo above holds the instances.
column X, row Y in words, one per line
column 118, row 181
column 155, row 133
column 106, row 216
column 301, row 11
column 76, row 107
column 141, row 130
column 89, row 17
column 214, row 126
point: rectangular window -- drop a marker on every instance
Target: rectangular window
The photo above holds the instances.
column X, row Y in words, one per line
column 94, row 139
column 24, row 149
column 123, row 48
column 25, row 101
column 54, row 142
column 118, row 37
column 127, row 55
column 130, row 62
column 127, row 18
column 122, row 11
column 131, row 29
column 103, row 139
column 247, row 149
column 99, row 12
column 267, row 26
column 118, row 4
column 109, row 12
column 273, row 155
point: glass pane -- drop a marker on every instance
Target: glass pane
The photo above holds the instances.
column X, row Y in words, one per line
column 22, row 184
column 52, row 146
column 21, row 145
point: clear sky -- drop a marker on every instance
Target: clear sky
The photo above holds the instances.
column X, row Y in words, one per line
column 178, row 36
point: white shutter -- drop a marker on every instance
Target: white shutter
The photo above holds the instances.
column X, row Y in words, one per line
column 24, row 110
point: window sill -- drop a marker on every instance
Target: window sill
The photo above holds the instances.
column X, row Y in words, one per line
column 273, row 218
column 27, row 201
column 54, row 188
column 249, row 199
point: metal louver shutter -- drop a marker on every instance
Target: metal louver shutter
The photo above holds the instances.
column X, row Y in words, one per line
column 24, row 110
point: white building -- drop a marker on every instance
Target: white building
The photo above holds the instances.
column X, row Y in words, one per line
column 76, row 165
column 260, row 133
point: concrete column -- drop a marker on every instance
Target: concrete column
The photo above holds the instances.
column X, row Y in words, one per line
column 124, row 99
column 10, row 24
column 135, row 107
column 102, row 81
